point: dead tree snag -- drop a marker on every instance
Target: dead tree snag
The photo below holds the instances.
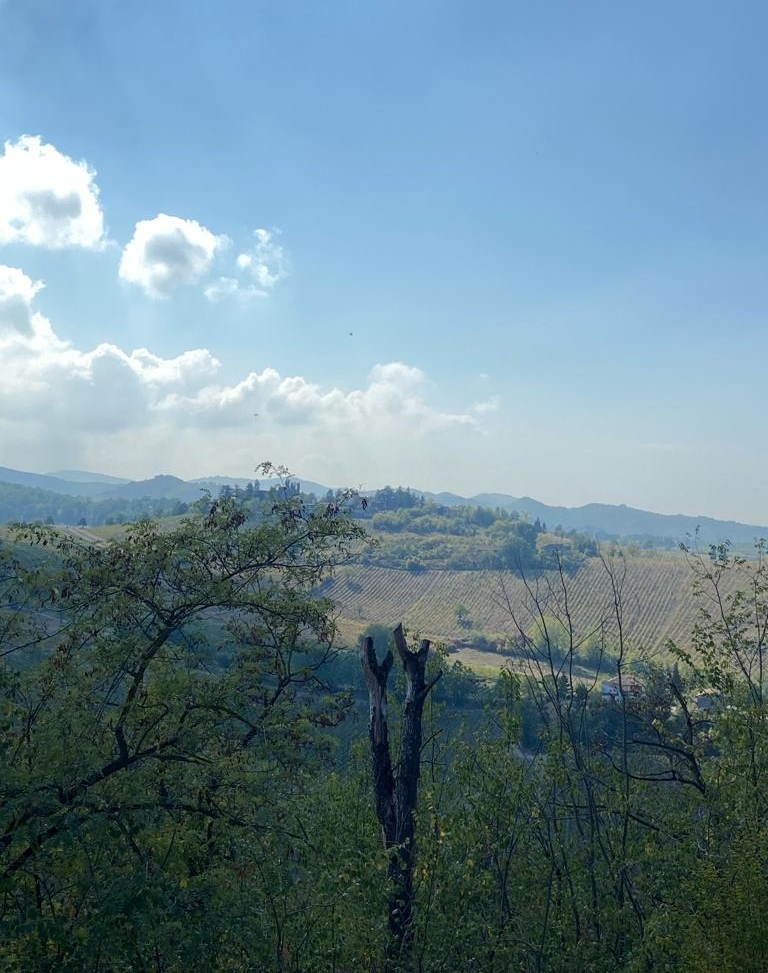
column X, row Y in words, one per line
column 396, row 789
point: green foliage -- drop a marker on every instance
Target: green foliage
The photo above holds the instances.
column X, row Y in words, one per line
column 426, row 534
column 30, row 505
column 171, row 798
column 140, row 784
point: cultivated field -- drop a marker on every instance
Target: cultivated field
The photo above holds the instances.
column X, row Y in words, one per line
column 656, row 595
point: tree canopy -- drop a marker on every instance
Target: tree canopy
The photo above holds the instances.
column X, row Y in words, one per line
column 181, row 790
column 160, row 701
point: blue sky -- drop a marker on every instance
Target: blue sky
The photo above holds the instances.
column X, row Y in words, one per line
column 488, row 246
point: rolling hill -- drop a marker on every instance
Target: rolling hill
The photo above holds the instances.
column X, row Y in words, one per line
column 657, row 594
column 617, row 520
column 598, row 519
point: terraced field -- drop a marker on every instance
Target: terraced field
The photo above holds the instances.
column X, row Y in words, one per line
column 657, row 598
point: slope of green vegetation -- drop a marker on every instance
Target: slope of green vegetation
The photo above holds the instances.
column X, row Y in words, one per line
column 32, row 505
column 183, row 785
column 417, row 535
column 473, row 608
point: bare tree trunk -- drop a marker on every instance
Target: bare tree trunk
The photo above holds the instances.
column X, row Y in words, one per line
column 396, row 791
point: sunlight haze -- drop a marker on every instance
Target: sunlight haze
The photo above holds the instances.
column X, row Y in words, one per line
column 468, row 247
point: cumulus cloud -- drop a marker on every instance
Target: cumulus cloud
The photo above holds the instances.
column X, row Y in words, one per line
column 140, row 413
column 392, row 402
column 16, row 294
column 265, row 262
column 169, row 252
column 40, row 373
column 259, row 268
column 48, row 199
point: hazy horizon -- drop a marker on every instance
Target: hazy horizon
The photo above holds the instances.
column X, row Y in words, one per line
column 310, row 483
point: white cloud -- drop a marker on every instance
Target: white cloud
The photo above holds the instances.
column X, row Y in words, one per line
column 16, row 294
column 224, row 287
column 47, row 199
column 489, row 405
column 393, row 402
column 168, row 252
column 265, row 262
column 186, row 370
column 42, row 374
column 139, row 413
column 260, row 268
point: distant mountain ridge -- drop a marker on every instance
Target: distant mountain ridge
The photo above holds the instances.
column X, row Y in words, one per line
column 600, row 519
column 617, row 520
column 84, row 476
column 56, row 484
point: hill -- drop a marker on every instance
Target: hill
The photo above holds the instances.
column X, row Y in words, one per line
column 600, row 520
column 159, row 487
column 657, row 594
column 84, row 476
column 54, row 484
column 215, row 483
column 604, row 520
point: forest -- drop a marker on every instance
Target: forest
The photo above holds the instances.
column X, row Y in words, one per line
column 189, row 779
column 21, row 503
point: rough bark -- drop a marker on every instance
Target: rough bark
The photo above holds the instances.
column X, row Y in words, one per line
column 396, row 790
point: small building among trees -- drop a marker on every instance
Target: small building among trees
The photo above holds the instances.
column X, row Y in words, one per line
column 628, row 686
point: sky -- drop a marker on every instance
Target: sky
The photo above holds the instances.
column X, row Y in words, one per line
column 486, row 246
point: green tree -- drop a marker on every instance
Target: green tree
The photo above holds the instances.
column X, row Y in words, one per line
column 721, row 926
column 461, row 613
column 149, row 794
